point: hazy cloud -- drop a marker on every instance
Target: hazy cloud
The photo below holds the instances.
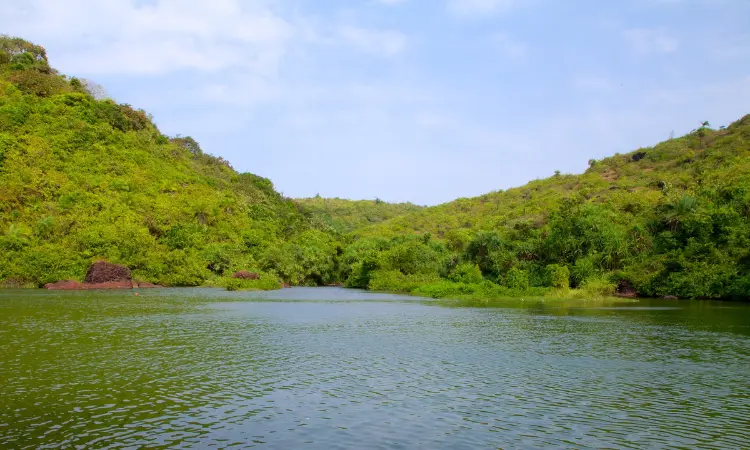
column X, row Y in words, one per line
column 377, row 42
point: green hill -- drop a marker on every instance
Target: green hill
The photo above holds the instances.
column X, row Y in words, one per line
column 673, row 219
column 345, row 216
column 83, row 179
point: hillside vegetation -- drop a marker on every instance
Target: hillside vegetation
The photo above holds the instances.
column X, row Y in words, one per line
column 345, row 216
column 671, row 220
column 83, row 179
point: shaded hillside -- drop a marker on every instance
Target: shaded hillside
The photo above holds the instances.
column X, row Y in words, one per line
column 673, row 219
column 345, row 216
column 83, row 179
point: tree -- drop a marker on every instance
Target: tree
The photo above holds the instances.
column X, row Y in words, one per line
column 701, row 132
column 676, row 212
column 94, row 89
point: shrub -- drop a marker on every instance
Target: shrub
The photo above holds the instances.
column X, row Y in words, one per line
column 266, row 282
column 559, row 276
column 395, row 281
column 40, row 84
column 517, row 279
column 598, row 287
column 467, row 273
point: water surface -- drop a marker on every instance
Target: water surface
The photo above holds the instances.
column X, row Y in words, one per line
column 328, row 368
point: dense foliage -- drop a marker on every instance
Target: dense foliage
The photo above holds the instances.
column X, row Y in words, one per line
column 672, row 220
column 345, row 216
column 84, row 178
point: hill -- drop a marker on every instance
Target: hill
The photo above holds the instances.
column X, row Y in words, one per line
column 83, row 179
column 345, row 216
column 670, row 220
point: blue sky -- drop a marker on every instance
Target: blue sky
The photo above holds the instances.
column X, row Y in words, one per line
column 406, row 100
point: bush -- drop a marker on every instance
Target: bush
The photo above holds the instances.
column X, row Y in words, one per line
column 447, row 289
column 40, row 84
column 558, row 276
column 467, row 273
column 395, row 281
column 517, row 279
column 266, row 282
column 583, row 269
column 598, row 287
column 411, row 257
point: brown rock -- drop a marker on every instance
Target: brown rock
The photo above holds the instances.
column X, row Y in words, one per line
column 108, row 285
column 66, row 285
column 245, row 275
column 625, row 290
column 104, row 272
column 71, row 285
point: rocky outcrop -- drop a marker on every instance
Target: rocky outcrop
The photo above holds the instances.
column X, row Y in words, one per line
column 72, row 285
column 102, row 275
column 245, row 275
column 67, row 285
column 625, row 290
column 638, row 156
column 105, row 272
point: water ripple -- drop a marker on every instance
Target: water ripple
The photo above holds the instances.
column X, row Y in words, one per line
column 171, row 370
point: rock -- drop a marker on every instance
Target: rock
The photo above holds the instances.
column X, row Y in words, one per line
column 625, row 290
column 245, row 275
column 102, row 275
column 108, row 285
column 286, row 285
column 104, row 272
column 670, row 297
column 66, row 285
column 71, row 285
column 638, row 156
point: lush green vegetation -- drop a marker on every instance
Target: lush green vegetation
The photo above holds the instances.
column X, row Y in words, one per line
column 345, row 216
column 84, row 178
column 672, row 220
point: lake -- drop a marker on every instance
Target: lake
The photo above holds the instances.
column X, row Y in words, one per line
column 328, row 368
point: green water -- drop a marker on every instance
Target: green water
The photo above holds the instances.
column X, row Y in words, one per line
column 328, row 368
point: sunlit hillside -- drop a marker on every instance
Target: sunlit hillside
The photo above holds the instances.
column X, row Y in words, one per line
column 84, row 178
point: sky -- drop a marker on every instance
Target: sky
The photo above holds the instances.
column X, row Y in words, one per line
column 406, row 100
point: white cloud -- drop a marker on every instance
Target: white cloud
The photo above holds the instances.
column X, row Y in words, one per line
column 120, row 37
column 376, row 42
column 478, row 7
column 116, row 36
column 644, row 40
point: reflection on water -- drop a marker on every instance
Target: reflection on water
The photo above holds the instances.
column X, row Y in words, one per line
column 331, row 368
